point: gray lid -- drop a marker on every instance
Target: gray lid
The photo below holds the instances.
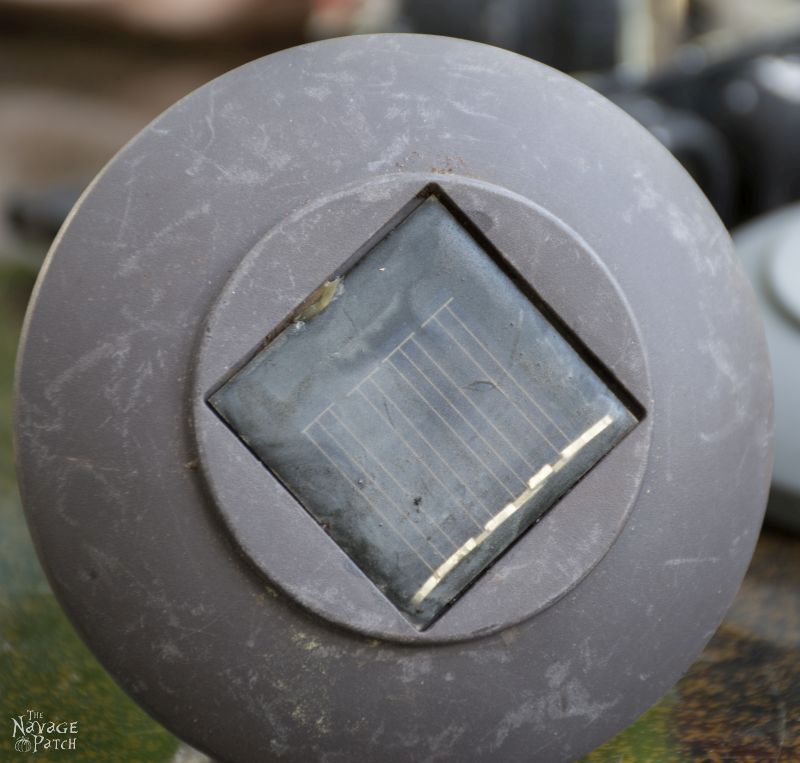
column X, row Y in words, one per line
column 769, row 249
column 238, row 593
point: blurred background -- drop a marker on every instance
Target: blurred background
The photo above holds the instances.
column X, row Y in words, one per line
column 716, row 81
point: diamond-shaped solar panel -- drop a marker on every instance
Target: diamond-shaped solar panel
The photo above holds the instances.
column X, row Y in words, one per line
column 424, row 411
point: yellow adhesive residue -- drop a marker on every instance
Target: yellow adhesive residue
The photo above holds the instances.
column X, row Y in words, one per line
column 319, row 300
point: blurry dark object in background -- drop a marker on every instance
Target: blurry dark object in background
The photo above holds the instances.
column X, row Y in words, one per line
column 78, row 78
column 734, row 122
column 696, row 143
column 337, row 18
column 37, row 215
column 570, row 35
column 192, row 19
column 770, row 252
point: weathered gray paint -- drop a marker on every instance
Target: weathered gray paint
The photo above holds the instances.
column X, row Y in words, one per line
column 115, row 459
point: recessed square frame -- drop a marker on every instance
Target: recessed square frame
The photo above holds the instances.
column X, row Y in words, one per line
column 423, row 599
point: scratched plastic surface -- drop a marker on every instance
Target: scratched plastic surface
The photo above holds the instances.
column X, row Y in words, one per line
column 428, row 415
column 739, row 701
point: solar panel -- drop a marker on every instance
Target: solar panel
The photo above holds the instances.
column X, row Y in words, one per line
column 425, row 410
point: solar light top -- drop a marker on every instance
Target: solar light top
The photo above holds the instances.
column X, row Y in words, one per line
column 159, row 527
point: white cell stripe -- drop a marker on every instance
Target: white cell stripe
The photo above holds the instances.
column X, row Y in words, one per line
column 367, row 378
column 433, row 450
column 316, row 418
column 535, row 484
column 589, row 435
column 389, row 500
column 399, row 347
column 421, row 460
column 480, row 412
column 505, row 372
column 436, row 312
column 368, row 501
column 457, row 435
column 469, row 424
column 374, row 459
column 496, row 384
